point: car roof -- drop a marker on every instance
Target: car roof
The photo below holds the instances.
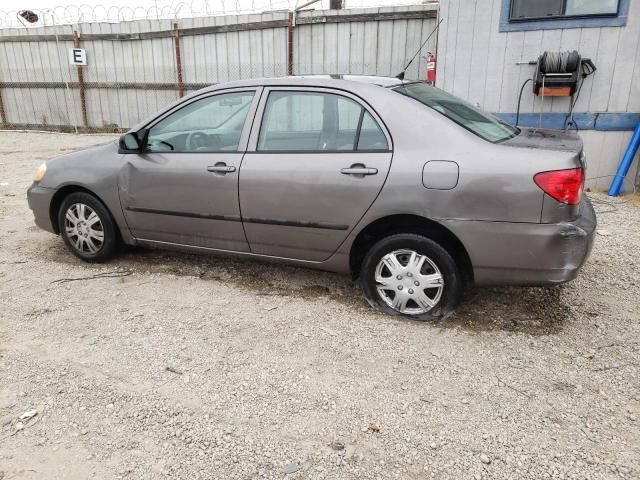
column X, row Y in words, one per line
column 363, row 85
column 329, row 80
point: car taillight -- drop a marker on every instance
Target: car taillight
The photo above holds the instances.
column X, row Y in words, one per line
column 563, row 185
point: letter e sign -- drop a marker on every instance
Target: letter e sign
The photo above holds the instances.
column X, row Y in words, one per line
column 78, row 56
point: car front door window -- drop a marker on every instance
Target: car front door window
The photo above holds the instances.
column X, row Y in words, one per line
column 211, row 124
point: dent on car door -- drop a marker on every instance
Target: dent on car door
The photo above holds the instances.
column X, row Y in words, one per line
column 183, row 187
column 315, row 165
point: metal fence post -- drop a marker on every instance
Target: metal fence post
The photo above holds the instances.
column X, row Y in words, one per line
column 176, row 42
column 290, row 44
column 83, row 95
column 66, row 81
column 3, row 117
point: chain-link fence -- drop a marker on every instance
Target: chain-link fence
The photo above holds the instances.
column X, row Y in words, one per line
column 108, row 77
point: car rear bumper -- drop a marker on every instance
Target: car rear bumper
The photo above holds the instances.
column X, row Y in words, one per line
column 39, row 199
column 527, row 254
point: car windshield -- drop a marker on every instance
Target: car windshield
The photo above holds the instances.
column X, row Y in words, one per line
column 481, row 123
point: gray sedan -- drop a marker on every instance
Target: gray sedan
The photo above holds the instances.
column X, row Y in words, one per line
column 407, row 188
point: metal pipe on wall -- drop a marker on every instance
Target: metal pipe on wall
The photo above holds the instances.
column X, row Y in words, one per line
column 625, row 163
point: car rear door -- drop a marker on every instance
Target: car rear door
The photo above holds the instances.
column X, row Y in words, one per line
column 316, row 161
column 183, row 189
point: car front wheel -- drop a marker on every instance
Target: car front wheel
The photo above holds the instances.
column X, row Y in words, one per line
column 411, row 275
column 87, row 227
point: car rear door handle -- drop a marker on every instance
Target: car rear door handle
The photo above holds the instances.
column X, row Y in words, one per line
column 221, row 168
column 353, row 170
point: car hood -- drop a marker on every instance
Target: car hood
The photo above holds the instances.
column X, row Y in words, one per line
column 85, row 152
column 562, row 140
column 84, row 167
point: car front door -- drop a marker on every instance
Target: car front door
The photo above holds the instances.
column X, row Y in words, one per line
column 314, row 166
column 183, row 187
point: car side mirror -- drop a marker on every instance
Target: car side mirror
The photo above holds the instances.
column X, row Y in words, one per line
column 129, row 143
column 132, row 142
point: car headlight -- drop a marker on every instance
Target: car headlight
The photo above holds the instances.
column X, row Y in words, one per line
column 42, row 169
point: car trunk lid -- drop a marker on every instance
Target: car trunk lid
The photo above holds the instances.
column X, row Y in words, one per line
column 561, row 140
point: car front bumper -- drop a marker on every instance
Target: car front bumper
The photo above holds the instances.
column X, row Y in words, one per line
column 527, row 254
column 39, row 199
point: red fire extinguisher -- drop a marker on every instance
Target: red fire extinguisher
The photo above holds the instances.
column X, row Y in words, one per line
column 431, row 68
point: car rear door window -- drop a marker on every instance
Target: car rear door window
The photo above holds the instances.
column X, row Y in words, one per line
column 315, row 121
column 211, row 124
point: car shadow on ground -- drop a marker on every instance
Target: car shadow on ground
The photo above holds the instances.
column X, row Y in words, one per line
column 531, row 310
column 534, row 311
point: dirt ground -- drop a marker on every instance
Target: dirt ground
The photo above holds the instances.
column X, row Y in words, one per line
column 164, row 365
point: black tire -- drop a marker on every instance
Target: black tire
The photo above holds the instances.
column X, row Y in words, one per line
column 452, row 284
column 107, row 248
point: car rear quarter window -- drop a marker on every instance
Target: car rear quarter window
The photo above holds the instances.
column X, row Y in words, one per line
column 371, row 135
column 457, row 110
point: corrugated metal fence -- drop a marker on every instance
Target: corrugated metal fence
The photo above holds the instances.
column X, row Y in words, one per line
column 135, row 68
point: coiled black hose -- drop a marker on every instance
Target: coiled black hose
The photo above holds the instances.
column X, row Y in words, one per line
column 559, row 62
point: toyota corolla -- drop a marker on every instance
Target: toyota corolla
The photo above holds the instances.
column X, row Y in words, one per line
column 409, row 189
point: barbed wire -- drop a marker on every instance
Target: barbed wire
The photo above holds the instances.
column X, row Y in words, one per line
column 85, row 13
column 159, row 10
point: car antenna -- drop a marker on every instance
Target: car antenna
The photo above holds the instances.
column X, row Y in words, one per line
column 400, row 76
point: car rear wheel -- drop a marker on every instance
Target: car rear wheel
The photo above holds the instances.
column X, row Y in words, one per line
column 411, row 275
column 87, row 227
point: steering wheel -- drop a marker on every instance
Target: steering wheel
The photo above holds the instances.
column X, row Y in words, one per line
column 201, row 141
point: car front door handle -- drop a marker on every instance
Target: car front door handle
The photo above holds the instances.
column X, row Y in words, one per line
column 221, row 168
column 359, row 170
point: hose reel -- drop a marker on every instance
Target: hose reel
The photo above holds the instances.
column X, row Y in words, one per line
column 558, row 73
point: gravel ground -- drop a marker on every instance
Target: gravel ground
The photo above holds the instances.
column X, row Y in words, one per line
column 193, row 367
